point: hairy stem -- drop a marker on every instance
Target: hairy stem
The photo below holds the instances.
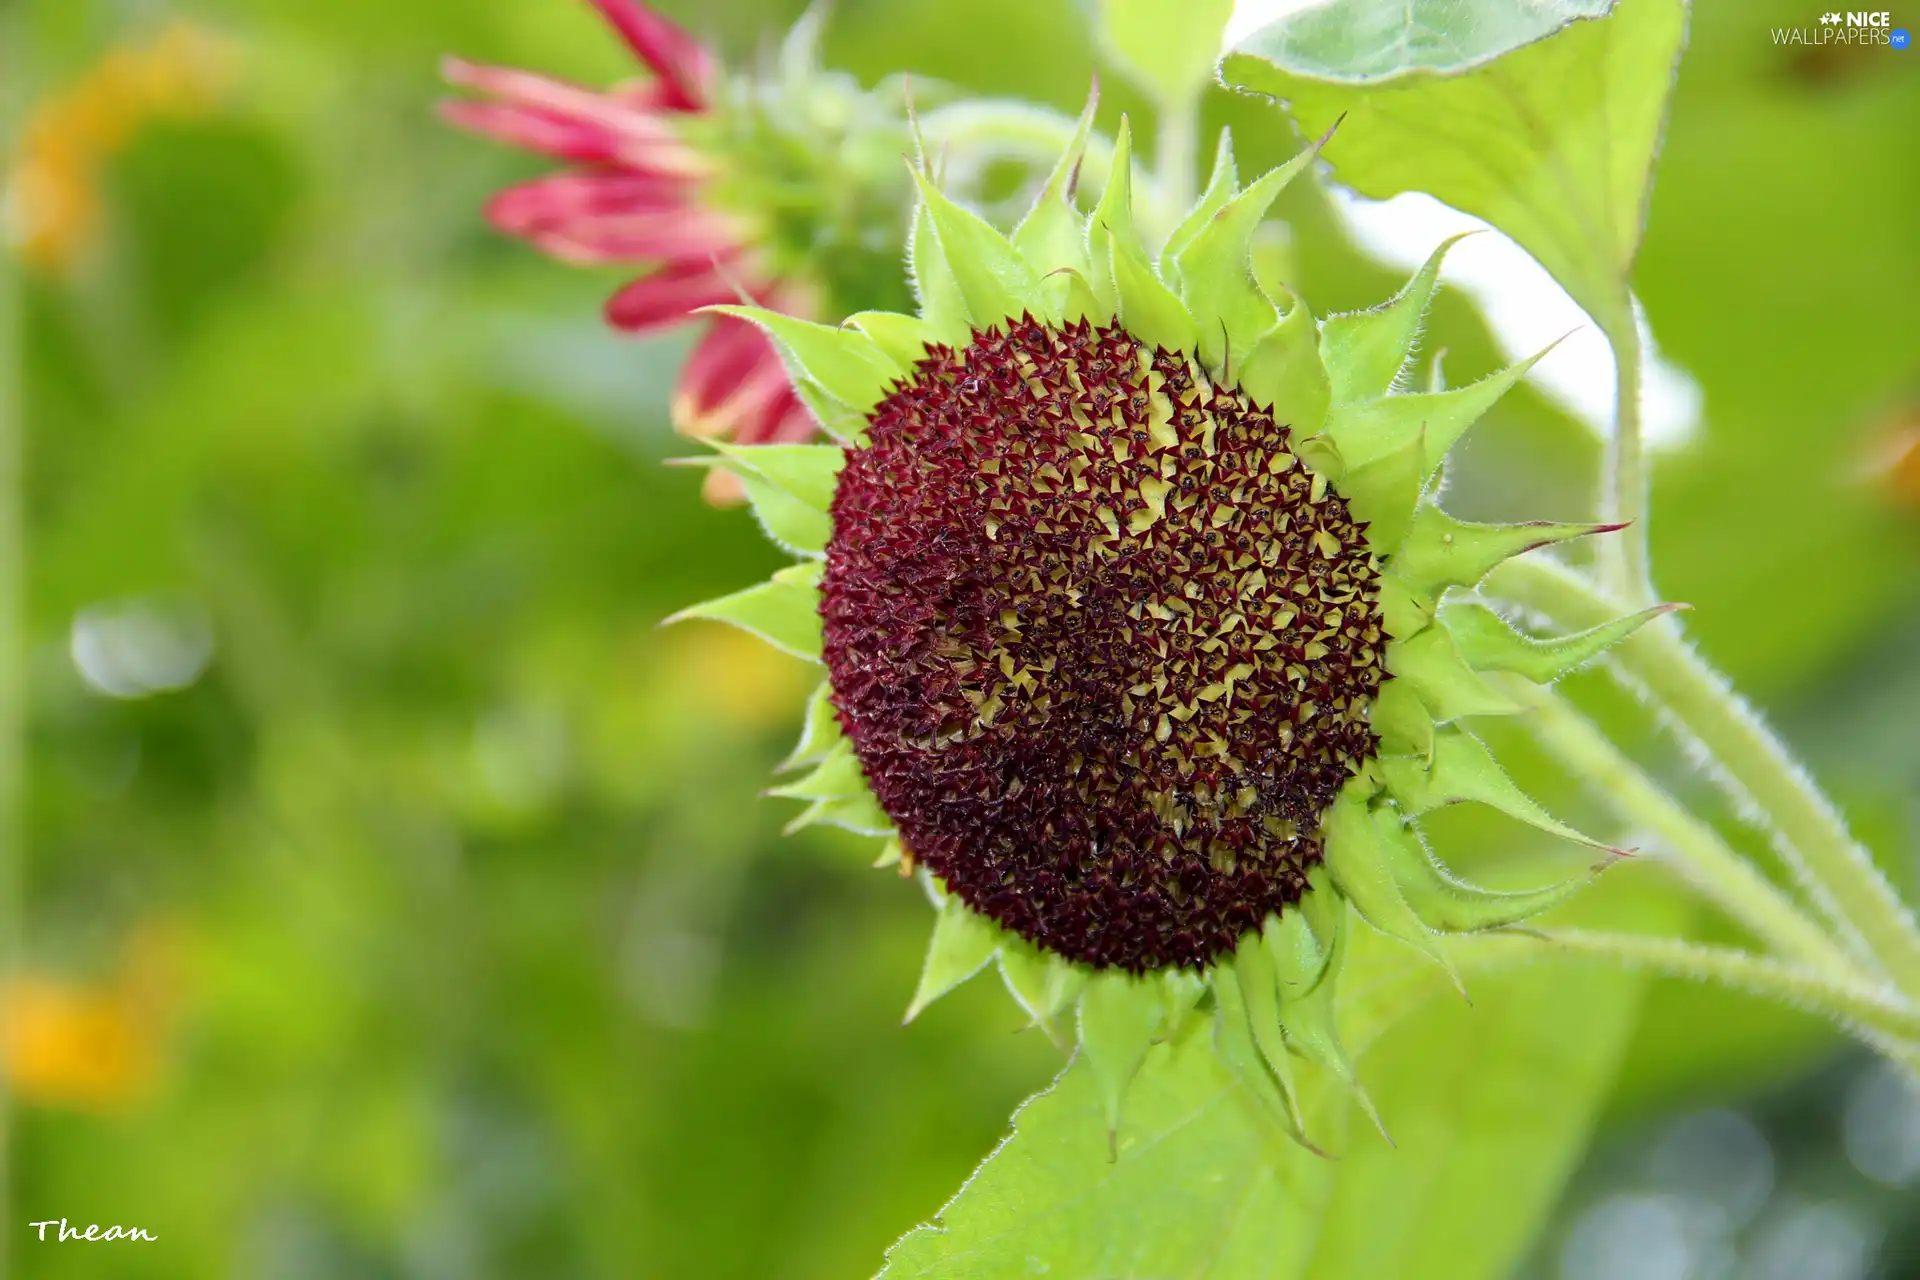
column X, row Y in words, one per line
column 1748, row 761
column 1623, row 499
column 1878, row 1014
column 1730, row 881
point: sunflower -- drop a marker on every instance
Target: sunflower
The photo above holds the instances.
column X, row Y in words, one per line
column 1132, row 590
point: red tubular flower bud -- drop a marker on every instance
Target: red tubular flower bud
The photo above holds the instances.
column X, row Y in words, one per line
column 685, row 67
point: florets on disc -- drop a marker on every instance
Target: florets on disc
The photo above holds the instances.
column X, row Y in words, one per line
column 1103, row 644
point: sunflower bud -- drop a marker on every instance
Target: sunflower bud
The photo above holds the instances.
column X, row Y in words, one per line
column 1128, row 582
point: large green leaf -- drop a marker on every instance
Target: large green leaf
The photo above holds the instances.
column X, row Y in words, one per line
column 1550, row 139
column 1201, row 1173
column 1490, row 1105
column 1368, row 40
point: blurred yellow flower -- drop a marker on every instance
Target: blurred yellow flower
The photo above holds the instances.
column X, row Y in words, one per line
column 746, row 683
column 1896, row 456
column 52, row 197
column 90, row 1046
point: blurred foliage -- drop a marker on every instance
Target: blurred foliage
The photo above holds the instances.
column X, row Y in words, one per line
column 435, row 921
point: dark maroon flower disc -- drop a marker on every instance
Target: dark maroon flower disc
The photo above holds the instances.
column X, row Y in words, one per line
column 1103, row 644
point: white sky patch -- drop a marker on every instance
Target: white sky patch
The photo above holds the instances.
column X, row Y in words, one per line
column 1522, row 304
column 1251, row 15
column 1526, row 309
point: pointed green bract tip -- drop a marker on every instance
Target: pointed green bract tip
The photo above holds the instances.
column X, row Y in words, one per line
column 1453, row 905
column 1119, row 1017
column 843, row 363
column 963, row 943
column 1489, row 644
column 1359, row 869
column 1366, row 351
column 1463, row 770
column 994, row 282
column 784, row 612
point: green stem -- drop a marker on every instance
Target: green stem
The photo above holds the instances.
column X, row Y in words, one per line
column 1175, row 152
column 1751, row 764
column 1623, row 500
column 1705, row 860
column 999, row 129
column 1879, row 1014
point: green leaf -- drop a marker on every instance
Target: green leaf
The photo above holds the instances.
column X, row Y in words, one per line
column 1450, row 904
column 1446, row 684
column 1491, row 1105
column 843, row 363
column 1385, row 493
column 1235, row 1043
column 904, row 339
column 791, row 524
column 1054, row 232
column 1119, row 1017
column 819, row 730
column 1166, row 47
column 1489, row 644
column 1283, row 372
column 785, row 613
column 1216, row 268
column 1366, row 350
column 1550, row 139
column 1180, row 990
column 1041, row 982
column 1361, row 41
column 1111, row 222
column 1222, row 186
column 1309, row 978
column 1464, row 771
column 1402, row 720
column 1197, row 1175
column 1260, row 990
column 860, row 814
column 1151, row 311
column 807, row 471
column 941, row 305
column 995, row 282
column 836, row 777
column 1359, row 869
column 1370, row 429
column 1405, row 610
column 964, row 941
column 1441, row 551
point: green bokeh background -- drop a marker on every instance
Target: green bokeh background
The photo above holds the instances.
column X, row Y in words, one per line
column 481, row 957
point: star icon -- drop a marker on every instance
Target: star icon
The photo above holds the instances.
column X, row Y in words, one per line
column 1829, row 19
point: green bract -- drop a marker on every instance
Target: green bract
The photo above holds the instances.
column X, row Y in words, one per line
column 1333, row 383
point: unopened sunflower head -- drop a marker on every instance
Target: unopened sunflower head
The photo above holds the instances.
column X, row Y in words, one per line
column 1130, row 587
column 778, row 186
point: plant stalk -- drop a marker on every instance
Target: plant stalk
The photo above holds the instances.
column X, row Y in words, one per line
column 1176, row 152
column 1706, row 861
column 1878, row 1015
column 1625, row 566
column 1750, row 763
